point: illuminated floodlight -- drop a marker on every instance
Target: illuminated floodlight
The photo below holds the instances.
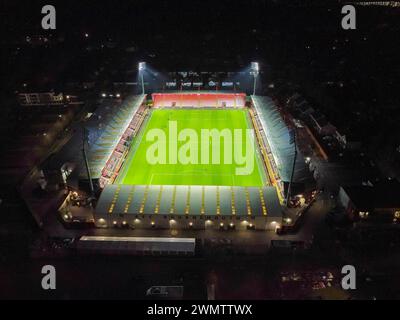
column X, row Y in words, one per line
column 104, row 95
column 142, row 66
column 255, row 67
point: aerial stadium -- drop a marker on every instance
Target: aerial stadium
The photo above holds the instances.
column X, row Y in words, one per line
column 191, row 160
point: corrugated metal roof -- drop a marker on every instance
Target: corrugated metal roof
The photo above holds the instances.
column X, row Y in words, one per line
column 137, row 244
column 188, row 200
column 279, row 138
column 103, row 141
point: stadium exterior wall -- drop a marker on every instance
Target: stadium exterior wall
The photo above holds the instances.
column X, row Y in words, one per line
column 192, row 222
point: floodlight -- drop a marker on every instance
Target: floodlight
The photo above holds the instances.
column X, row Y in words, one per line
column 255, row 69
column 142, row 66
column 255, row 66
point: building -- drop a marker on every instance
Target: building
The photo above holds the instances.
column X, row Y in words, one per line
column 380, row 201
column 188, row 207
column 278, row 147
column 109, row 134
column 40, row 99
column 350, row 140
column 136, row 245
column 196, row 99
column 107, row 129
column 321, row 124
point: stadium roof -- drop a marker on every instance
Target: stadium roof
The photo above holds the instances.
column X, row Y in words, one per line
column 191, row 200
column 279, row 138
column 104, row 128
column 199, row 99
column 104, row 135
column 383, row 195
column 201, row 92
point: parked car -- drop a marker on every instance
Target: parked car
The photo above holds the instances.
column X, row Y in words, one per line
column 166, row 292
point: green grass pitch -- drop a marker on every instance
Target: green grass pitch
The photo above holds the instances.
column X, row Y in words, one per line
column 137, row 170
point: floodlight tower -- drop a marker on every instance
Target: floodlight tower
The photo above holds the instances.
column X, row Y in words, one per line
column 84, row 142
column 293, row 141
column 142, row 67
column 255, row 70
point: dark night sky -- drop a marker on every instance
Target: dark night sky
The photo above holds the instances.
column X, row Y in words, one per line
column 141, row 19
column 202, row 34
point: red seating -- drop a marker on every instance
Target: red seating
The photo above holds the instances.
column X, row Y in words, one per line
column 114, row 163
column 198, row 100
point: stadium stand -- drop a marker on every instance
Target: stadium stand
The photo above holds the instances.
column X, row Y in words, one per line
column 196, row 100
column 102, row 151
column 114, row 163
column 165, row 206
column 277, row 144
column 108, row 130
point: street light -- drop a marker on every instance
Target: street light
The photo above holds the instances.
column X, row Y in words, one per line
column 142, row 67
column 255, row 70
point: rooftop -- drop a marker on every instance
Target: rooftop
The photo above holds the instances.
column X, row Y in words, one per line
column 280, row 140
column 188, row 200
column 384, row 195
column 104, row 128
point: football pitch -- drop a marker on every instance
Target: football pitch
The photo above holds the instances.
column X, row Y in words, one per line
column 138, row 169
